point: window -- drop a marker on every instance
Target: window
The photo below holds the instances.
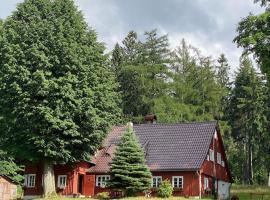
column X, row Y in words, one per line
column 218, row 158
column 62, row 181
column 101, row 180
column 211, row 154
column 177, row 181
column 30, row 180
column 222, row 163
column 206, row 183
column 207, row 157
column 156, row 181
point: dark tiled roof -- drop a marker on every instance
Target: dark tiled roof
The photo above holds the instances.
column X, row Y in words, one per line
column 181, row 146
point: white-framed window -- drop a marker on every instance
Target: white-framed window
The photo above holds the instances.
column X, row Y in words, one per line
column 222, row 163
column 211, row 155
column 177, row 181
column 62, row 181
column 30, row 180
column 206, row 183
column 219, row 158
column 156, row 181
column 101, row 180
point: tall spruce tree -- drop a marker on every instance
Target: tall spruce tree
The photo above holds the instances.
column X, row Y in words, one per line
column 246, row 115
column 57, row 91
column 129, row 171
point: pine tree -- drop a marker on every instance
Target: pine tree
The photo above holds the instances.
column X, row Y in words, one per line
column 117, row 59
column 156, row 48
column 223, row 69
column 131, row 48
column 57, row 90
column 129, row 172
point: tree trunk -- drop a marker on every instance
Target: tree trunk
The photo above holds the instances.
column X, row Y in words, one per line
column 49, row 181
column 269, row 178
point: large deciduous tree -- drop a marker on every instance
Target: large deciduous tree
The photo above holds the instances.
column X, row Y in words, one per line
column 129, row 171
column 57, row 91
column 253, row 36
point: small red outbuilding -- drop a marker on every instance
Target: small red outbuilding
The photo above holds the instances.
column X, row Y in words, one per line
column 190, row 155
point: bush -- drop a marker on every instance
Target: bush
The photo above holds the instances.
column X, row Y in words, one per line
column 165, row 189
column 103, row 195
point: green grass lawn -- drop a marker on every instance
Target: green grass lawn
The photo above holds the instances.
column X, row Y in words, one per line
column 247, row 192
column 243, row 192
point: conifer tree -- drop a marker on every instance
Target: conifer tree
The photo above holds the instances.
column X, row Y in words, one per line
column 129, row 171
column 246, row 114
column 57, row 90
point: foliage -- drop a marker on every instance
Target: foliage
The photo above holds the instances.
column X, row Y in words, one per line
column 103, row 195
column 165, row 189
column 9, row 168
column 253, row 36
column 246, row 116
column 129, row 172
column 57, row 90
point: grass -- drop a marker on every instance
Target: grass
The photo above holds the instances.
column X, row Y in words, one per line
column 130, row 198
column 243, row 192
column 247, row 192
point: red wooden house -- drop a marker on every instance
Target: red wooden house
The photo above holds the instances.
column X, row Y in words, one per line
column 190, row 155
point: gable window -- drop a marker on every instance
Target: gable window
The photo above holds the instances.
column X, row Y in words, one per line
column 177, row 181
column 62, row 181
column 211, row 154
column 156, row 181
column 206, row 183
column 30, row 180
column 101, row 180
column 218, row 158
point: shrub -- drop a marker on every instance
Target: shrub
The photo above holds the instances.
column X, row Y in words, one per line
column 103, row 195
column 165, row 189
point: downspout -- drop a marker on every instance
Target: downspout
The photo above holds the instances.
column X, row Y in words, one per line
column 200, row 184
column 215, row 172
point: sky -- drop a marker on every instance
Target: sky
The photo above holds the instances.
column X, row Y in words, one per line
column 209, row 25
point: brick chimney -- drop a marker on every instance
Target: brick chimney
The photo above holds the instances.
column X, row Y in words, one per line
column 150, row 119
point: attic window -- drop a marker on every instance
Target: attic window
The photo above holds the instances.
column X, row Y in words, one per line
column 211, row 154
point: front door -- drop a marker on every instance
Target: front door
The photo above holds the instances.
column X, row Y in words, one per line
column 80, row 183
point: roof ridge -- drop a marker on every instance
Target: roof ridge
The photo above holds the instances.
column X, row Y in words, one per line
column 178, row 123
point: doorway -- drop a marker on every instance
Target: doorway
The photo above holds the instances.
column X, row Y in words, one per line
column 80, row 183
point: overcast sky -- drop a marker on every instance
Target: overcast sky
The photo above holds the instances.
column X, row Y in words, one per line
column 206, row 24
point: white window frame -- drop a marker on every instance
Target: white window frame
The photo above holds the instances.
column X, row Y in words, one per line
column 30, row 180
column 206, row 183
column 178, row 178
column 212, row 155
column 222, row 163
column 64, row 179
column 219, row 158
column 101, row 180
column 156, row 181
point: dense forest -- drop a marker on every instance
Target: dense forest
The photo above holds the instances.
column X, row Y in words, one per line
column 142, row 75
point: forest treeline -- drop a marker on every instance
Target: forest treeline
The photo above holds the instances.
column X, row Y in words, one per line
column 182, row 85
column 141, row 75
